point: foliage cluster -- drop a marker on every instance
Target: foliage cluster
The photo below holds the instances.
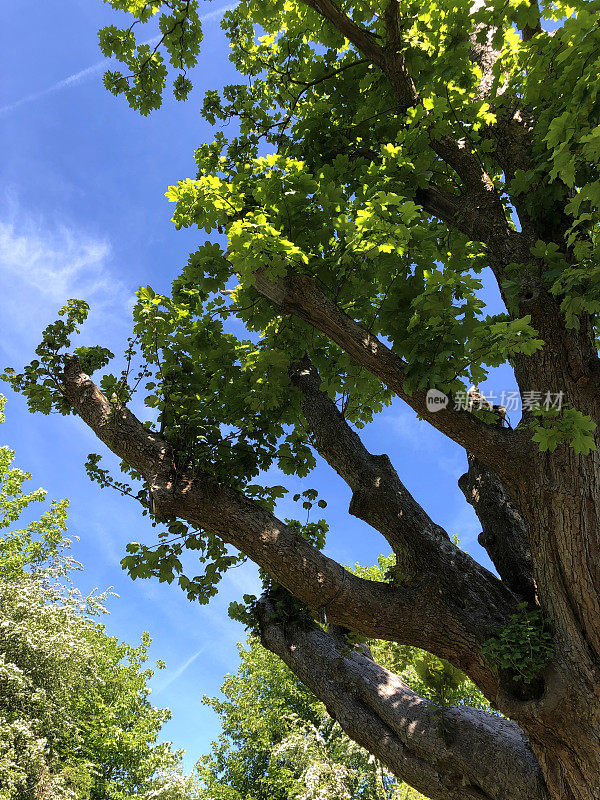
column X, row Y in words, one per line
column 523, row 647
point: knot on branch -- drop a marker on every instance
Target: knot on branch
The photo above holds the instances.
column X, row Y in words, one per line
column 305, row 376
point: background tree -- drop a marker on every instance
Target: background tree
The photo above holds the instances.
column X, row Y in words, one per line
column 392, row 160
column 278, row 742
column 76, row 721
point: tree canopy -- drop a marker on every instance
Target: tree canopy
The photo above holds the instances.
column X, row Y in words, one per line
column 381, row 170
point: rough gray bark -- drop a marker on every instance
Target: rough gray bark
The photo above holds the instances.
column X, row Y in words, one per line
column 378, row 495
column 439, row 749
column 504, row 535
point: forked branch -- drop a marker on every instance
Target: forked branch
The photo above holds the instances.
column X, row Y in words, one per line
column 448, row 614
column 501, row 449
column 378, row 495
column 480, row 197
column 362, row 39
column 380, row 499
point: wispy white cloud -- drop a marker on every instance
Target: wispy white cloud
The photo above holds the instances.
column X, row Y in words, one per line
column 55, row 262
column 195, row 622
column 71, row 80
column 42, row 265
column 89, row 72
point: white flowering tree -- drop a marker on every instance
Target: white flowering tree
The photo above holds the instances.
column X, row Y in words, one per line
column 76, row 722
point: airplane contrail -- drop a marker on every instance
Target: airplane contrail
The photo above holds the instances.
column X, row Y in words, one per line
column 180, row 670
column 88, row 72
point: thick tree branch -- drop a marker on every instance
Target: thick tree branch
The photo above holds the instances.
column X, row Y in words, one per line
column 380, row 498
column 460, row 211
column 394, row 65
column 455, row 753
column 479, row 199
column 378, row 495
column 479, row 190
column 504, row 535
column 435, row 614
column 465, row 212
column 499, row 448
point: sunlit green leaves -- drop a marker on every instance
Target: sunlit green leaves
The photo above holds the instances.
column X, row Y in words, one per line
column 41, row 541
column 207, row 202
column 568, row 108
column 175, row 43
column 40, row 380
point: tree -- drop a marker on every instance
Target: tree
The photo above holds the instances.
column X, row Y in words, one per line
column 76, row 722
column 390, row 160
column 279, row 743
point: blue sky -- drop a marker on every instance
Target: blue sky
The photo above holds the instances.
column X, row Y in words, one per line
column 83, row 214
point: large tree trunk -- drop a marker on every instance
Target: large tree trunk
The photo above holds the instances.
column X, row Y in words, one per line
column 568, row 749
column 562, row 721
column 564, row 725
column 558, row 499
